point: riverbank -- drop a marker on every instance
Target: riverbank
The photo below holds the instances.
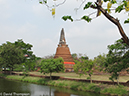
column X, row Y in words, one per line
column 75, row 85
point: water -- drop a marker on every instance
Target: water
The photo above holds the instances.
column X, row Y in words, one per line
column 17, row 88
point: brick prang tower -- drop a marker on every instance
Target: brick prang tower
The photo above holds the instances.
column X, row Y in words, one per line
column 64, row 52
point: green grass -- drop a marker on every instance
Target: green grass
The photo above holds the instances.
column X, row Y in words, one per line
column 83, row 86
column 117, row 90
column 76, row 76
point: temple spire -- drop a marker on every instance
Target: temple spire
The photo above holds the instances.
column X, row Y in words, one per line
column 62, row 38
column 64, row 52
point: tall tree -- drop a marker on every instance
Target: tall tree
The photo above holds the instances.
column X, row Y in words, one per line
column 51, row 65
column 99, row 62
column 18, row 52
column 114, row 62
column 29, row 58
column 10, row 55
column 25, row 47
column 84, row 66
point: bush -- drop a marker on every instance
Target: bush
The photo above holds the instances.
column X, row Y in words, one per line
column 88, row 78
column 18, row 68
column 93, row 87
column 119, row 90
column 25, row 73
column 74, row 87
column 2, row 75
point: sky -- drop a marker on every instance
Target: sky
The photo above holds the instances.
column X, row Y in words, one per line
column 34, row 24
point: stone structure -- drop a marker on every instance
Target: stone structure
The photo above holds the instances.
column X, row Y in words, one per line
column 64, row 52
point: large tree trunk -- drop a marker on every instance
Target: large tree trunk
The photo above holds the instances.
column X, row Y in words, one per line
column 113, row 20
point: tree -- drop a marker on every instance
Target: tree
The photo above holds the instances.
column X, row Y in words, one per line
column 114, row 62
column 17, row 53
column 99, row 61
column 74, row 55
column 119, row 6
column 29, row 61
column 84, row 66
column 51, row 65
column 49, row 56
column 26, row 48
column 10, row 55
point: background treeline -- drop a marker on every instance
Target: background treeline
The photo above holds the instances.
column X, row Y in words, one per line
column 18, row 56
column 114, row 62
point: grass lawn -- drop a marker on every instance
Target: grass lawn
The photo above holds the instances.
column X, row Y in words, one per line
column 114, row 90
column 76, row 76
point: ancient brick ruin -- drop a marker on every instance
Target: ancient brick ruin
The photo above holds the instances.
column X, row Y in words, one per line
column 64, row 52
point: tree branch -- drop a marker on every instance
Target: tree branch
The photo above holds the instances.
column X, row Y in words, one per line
column 49, row 7
column 61, row 3
column 80, row 5
column 113, row 20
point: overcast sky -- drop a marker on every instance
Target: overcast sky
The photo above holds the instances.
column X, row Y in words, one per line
column 33, row 22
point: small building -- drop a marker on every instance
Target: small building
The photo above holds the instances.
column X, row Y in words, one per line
column 64, row 52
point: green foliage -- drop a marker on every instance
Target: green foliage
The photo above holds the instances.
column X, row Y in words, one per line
column 118, row 91
column 125, row 58
column 67, row 17
column 74, row 55
column 18, row 67
column 116, row 59
column 86, row 18
column 86, row 57
column 10, row 55
column 29, row 62
column 99, row 62
column 94, row 88
column 2, row 75
column 123, row 6
column 84, row 66
column 25, row 73
column 43, row 81
column 51, row 65
column 74, row 86
column 113, row 1
column 43, row 1
column 26, row 48
column 106, row 0
column 119, row 8
column 87, row 5
column 126, row 21
column 88, row 78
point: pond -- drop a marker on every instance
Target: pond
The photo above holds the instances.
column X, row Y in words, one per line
column 17, row 88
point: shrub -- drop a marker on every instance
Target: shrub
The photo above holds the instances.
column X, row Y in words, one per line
column 119, row 90
column 74, row 87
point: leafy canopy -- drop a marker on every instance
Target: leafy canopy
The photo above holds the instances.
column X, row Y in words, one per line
column 116, row 56
column 16, row 53
column 84, row 66
column 10, row 55
column 51, row 65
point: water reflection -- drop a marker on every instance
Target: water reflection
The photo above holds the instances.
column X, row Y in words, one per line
column 8, row 86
